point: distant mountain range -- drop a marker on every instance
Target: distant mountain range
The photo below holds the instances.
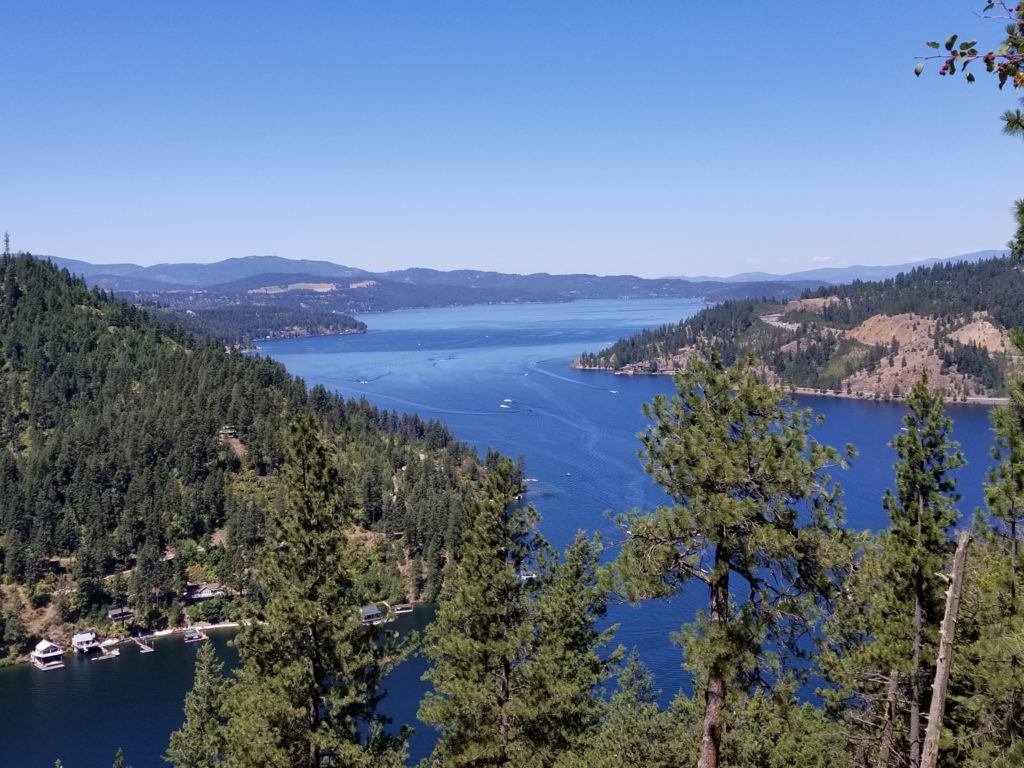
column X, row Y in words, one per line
column 240, row 299
column 325, row 286
column 167, row 277
column 839, row 275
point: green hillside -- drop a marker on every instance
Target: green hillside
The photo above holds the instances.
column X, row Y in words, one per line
column 868, row 338
column 135, row 457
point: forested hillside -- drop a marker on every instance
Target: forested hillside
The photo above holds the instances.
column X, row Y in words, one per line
column 135, row 457
column 241, row 324
column 871, row 339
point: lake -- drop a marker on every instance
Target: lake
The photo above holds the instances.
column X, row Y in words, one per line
column 498, row 376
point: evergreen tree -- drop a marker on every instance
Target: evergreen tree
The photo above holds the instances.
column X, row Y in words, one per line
column 921, row 514
column 752, row 502
column 882, row 630
column 987, row 681
column 634, row 731
column 1004, row 490
column 513, row 649
column 199, row 743
column 310, row 680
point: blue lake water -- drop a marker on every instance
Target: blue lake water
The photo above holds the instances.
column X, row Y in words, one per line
column 499, row 377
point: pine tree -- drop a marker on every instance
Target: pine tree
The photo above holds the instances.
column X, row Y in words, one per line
column 567, row 664
column 199, row 743
column 634, row 731
column 988, row 673
column 921, row 514
column 310, row 679
column 513, row 649
column 1004, row 490
column 752, row 502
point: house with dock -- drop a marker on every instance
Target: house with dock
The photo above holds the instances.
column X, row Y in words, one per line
column 85, row 641
column 47, row 655
column 371, row 615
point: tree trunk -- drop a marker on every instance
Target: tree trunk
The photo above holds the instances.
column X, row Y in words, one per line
column 914, row 734
column 1011, row 725
column 714, row 697
column 915, row 684
column 1013, row 562
column 946, row 636
column 885, row 746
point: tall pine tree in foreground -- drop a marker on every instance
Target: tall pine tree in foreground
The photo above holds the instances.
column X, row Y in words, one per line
column 753, row 504
column 921, row 515
column 987, row 682
column 883, row 631
column 199, row 743
column 514, row 652
column 310, row 681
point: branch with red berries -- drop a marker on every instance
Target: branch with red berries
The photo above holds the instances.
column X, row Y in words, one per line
column 1006, row 62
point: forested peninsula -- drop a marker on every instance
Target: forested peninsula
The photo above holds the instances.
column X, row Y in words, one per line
column 866, row 339
column 138, row 461
column 239, row 325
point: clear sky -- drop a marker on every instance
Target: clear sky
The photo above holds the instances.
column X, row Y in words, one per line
column 644, row 137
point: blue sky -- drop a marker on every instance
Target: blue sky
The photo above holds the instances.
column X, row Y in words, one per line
column 652, row 138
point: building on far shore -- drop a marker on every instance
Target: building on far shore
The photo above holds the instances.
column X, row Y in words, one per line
column 371, row 614
column 120, row 613
column 197, row 593
column 85, row 641
column 47, row 655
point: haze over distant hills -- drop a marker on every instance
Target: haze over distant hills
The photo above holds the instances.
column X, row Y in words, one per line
column 132, row 277
column 241, row 299
column 325, row 286
column 836, row 275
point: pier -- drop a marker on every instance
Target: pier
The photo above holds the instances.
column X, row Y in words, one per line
column 143, row 648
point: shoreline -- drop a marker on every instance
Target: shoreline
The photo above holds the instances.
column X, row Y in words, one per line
column 982, row 400
column 180, row 631
column 113, row 642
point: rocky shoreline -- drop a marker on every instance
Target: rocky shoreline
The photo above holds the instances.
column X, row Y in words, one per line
column 635, row 370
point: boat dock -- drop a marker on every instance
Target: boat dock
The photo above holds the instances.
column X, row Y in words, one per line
column 143, row 648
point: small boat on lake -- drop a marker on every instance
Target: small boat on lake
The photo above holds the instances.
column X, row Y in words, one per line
column 403, row 608
column 193, row 635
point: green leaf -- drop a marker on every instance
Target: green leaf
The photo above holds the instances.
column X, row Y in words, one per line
column 932, row 45
column 951, row 42
column 970, row 77
column 919, row 69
